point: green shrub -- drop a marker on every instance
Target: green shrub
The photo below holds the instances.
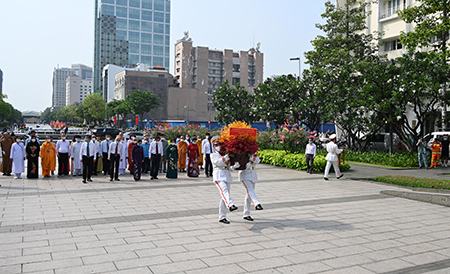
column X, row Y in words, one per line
column 383, row 158
column 290, row 141
column 296, row 161
column 414, row 182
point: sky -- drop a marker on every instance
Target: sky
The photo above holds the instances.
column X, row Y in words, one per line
column 38, row 35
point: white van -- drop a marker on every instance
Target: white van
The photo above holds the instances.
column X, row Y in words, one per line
column 435, row 135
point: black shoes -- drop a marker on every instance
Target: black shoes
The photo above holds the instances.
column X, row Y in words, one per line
column 84, row 182
column 342, row 175
column 118, row 180
column 258, row 207
column 248, row 218
column 224, row 221
column 111, row 180
column 325, row 178
column 89, row 180
column 233, row 208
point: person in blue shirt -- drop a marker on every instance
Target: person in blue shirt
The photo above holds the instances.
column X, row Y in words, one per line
column 146, row 146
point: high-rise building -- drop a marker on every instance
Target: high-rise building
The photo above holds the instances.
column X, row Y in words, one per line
column 1, row 82
column 60, row 76
column 59, row 86
column 206, row 69
column 77, row 89
column 109, row 80
column 128, row 32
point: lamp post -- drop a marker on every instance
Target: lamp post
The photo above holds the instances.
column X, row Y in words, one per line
column 299, row 65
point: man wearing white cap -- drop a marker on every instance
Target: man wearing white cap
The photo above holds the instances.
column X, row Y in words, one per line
column 332, row 157
column 222, row 180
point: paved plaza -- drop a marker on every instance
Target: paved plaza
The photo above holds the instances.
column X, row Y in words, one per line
column 170, row 226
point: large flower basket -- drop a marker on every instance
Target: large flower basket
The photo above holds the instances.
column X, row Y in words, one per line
column 240, row 143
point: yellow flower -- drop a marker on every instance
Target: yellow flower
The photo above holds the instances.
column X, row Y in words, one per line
column 225, row 133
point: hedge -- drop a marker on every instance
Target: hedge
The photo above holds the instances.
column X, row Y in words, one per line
column 296, row 161
column 414, row 182
column 383, row 158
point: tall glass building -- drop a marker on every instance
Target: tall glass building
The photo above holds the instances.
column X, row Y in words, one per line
column 128, row 32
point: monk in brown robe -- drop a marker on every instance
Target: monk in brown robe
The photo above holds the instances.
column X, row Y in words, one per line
column 182, row 151
column 200, row 152
column 6, row 142
column 48, row 157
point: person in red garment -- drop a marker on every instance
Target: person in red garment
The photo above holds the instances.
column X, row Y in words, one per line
column 193, row 154
column 131, row 146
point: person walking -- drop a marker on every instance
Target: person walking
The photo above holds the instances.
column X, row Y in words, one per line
column 146, row 147
column 48, row 157
column 422, row 153
column 172, row 160
column 156, row 152
column 105, row 144
column 200, row 152
column 249, row 178
column 97, row 165
column 88, row 156
column 114, row 156
column 222, row 180
column 32, row 149
column 138, row 159
column 193, row 155
column 63, row 149
column 182, row 152
column 332, row 157
column 310, row 154
column 207, row 150
column 17, row 157
column 163, row 165
column 123, row 156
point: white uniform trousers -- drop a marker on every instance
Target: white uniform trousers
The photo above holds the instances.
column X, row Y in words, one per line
column 225, row 199
column 335, row 166
column 250, row 197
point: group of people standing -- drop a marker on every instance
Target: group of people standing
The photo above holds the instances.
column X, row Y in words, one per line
column 439, row 152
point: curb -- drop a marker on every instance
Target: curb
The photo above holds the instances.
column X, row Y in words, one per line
column 432, row 198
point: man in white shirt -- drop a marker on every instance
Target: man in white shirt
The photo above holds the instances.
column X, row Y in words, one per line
column 63, row 149
column 98, row 154
column 156, row 152
column 222, row 180
column 105, row 151
column 310, row 154
column 114, row 155
column 332, row 157
column 248, row 177
column 207, row 150
column 88, row 155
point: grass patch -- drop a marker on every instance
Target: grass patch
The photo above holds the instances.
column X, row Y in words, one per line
column 414, row 182
column 404, row 160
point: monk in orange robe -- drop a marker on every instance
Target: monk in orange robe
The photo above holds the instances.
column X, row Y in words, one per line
column 435, row 153
column 200, row 152
column 48, row 157
column 182, row 151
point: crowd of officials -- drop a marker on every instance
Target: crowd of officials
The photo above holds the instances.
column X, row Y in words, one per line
column 92, row 155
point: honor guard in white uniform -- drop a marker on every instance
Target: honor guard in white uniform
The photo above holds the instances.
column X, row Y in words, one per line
column 248, row 178
column 222, row 180
column 332, row 157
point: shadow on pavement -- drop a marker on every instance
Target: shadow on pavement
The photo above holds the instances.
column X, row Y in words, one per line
column 320, row 225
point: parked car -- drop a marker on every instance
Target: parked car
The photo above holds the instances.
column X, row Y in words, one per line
column 139, row 135
column 102, row 132
column 429, row 138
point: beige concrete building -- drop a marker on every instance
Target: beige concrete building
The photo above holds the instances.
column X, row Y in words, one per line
column 206, row 69
column 187, row 104
column 77, row 89
column 383, row 18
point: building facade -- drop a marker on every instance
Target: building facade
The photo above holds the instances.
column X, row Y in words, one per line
column 60, row 76
column 206, row 69
column 77, row 89
column 128, row 32
column 109, row 80
column 156, row 81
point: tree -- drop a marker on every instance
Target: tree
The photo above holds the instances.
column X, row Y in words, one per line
column 142, row 102
column 72, row 113
column 432, row 30
column 338, row 61
column 94, row 108
column 233, row 103
column 274, row 98
column 8, row 114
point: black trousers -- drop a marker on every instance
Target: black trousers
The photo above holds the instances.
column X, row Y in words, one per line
column 146, row 167
column 309, row 162
column 208, row 165
column 114, row 166
column 105, row 163
column 156, row 160
column 88, row 164
column 63, row 164
column 95, row 165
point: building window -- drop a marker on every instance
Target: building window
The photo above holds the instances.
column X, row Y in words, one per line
column 108, row 10
column 147, row 15
column 135, row 13
column 122, row 2
column 147, row 4
column 236, row 68
column 392, row 45
column 134, row 25
column 158, row 28
column 134, row 59
column 167, row 18
column 159, row 17
column 146, row 49
column 135, row 3
column 146, row 38
column 146, row 59
column 134, row 48
column 391, row 7
column 158, row 39
column 159, row 5
column 158, row 61
column 167, row 6
column 121, row 23
column 134, row 36
column 146, row 26
column 158, row 50
column 121, row 35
